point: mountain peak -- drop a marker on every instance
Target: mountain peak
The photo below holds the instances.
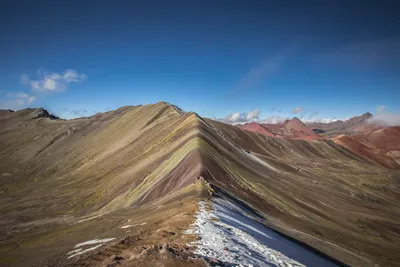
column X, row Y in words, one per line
column 43, row 113
column 366, row 115
column 177, row 109
column 296, row 119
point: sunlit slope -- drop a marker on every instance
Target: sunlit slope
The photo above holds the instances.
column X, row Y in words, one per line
column 118, row 159
column 61, row 177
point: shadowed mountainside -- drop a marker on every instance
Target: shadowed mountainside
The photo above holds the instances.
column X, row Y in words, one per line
column 354, row 125
column 65, row 180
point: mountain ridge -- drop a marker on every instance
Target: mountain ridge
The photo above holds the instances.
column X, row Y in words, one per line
column 143, row 157
column 353, row 125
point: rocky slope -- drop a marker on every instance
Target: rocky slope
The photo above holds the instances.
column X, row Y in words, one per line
column 135, row 176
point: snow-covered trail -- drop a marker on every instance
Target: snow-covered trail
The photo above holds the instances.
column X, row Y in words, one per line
column 228, row 234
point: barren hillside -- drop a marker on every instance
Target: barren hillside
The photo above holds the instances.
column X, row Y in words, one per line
column 130, row 181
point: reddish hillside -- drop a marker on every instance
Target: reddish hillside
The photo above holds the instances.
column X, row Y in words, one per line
column 293, row 128
column 386, row 139
column 365, row 128
column 381, row 146
column 255, row 128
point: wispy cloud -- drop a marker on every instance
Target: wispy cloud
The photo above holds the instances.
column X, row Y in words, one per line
column 380, row 109
column 241, row 117
column 386, row 118
column 297, row 110
column 276, row 109
column 274, row 119
column 323, row 120
column 378, row 53
column 52, row 81
column 79, row 112
column 258, row 73
column 313, row 114
column 18, row 95
column 255, row 116
column 17, row 100
column 72, row 113
column 31, row 99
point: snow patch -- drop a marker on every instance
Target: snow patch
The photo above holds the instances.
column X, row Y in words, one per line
column 132, row 225
column 255, row 158
column 127, row 226
column 79, row 250
column 94, row 241
column 231, row 235
column 89, row 218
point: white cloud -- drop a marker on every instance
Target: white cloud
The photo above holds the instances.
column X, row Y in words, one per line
column 53, row 82
column 73, row 76
column 234, row 117
column 323, row 120
column 297, row 110
column 274, row 119
column 56, row 76
column 21, row 95
column 253, row 115
column 17, row 100
column 25, row 79
column 70, row 113
column 30, row 99
column 380, row 109
column 385, row 118
column 239, row 117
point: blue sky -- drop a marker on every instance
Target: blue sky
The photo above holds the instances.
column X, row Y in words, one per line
column 76, row 58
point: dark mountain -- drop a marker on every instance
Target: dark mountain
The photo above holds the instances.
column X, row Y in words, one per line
column 351, row 126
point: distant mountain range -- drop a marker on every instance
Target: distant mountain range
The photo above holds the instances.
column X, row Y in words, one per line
column 376, row 143
column 354, row 125
column 294, row 128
